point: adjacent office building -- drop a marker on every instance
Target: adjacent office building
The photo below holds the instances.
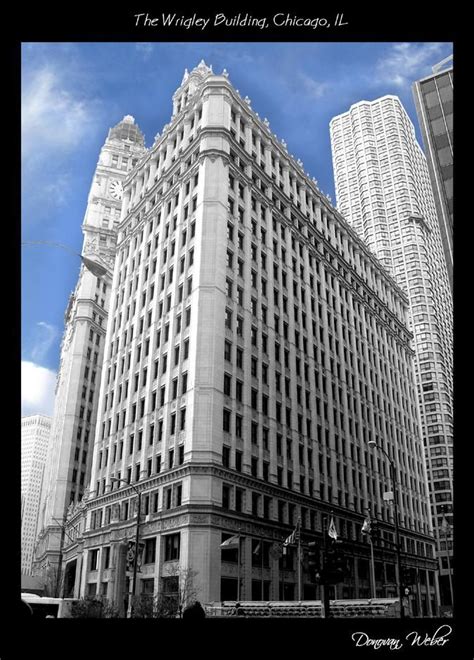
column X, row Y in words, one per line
column 254, row 347
column 383, row 189
column 35, row 436
column 80, row 369
column 434, row 106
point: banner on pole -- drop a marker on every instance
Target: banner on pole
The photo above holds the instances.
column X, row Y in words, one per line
column 131, row 556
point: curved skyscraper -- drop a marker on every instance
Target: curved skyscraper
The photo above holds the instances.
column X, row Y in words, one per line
column 384, row 191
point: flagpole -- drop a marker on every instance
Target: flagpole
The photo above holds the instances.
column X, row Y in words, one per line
column 324, row 583
column 283, row 576
column 445, row 526
column 238, row 570
column 261, row 569
column 372, row 564
column 299, row 557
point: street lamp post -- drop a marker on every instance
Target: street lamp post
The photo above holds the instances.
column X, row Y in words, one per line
column 397, row 531
column 445, row 529
column 93, row 266
column 137, row 536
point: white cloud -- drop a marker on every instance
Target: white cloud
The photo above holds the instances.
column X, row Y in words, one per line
column 57, row 116
column 45, row 337
column 312, row 87
column 37, row 389
column 145, row 48
column 51, row 115
column 406, row 62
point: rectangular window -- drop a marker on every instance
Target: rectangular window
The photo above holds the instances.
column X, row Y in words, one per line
column 238, row 461
column 239, row 499
column 226, row 490
column 94, row 557
column 238, row 390
column 150, row 551
column 226, row 420
column 172, row 547
column 239, row 358
column 226, row 456
column 106, row 558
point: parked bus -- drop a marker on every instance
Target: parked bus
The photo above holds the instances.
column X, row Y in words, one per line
column 42, row 606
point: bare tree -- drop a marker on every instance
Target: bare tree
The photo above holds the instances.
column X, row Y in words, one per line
column 53, row 581
column 188, row 589
column 171, row 603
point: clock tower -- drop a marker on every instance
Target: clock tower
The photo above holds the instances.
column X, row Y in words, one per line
column 78, row 382
column 122, row 150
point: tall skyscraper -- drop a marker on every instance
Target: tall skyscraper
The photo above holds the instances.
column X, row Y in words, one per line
column 383, row 190
column 434, row 105
column 82, row 348
column 35, row 436
column 254, row 347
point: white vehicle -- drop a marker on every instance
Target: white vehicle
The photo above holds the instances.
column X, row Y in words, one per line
column 58, row 608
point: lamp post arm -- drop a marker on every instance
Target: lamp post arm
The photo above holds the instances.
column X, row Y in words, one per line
column 397, row 530
column 54, row 244
column 93, row 266
column 397, row 533
column 126, row 483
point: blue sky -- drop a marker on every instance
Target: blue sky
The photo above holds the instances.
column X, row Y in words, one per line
column 73, row 92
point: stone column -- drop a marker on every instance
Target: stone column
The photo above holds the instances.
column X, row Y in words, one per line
column 77, row 579
column 187, row 131
column 246, row 569
column 83, row 584
column 437, row 594
column 286, row 178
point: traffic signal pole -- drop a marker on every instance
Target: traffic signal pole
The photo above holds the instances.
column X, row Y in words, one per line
column 372, row 566
column 324, row 584
column 299, row 559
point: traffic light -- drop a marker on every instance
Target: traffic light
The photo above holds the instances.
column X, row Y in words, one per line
column 375, row 531
column 407, row 576
column 335, row 566
column 313, row 561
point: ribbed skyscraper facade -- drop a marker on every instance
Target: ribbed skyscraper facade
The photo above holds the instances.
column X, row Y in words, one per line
column 383, row 189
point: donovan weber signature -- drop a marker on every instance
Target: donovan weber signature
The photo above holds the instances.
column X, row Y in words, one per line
column 414, row 638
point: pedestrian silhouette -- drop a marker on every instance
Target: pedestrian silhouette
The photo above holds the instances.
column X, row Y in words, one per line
column 194, row 611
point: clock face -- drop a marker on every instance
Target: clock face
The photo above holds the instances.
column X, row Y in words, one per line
column 115, row 189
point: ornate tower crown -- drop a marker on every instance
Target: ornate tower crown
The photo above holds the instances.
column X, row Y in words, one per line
column 189, row 84
column 127, row 130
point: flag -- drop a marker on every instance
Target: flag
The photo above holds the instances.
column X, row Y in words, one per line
column 444, row 525
column 257, row 549
column 232, row 542
column 131, row 555
column 293, row 537
column 332, row 531
column 366, row 527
